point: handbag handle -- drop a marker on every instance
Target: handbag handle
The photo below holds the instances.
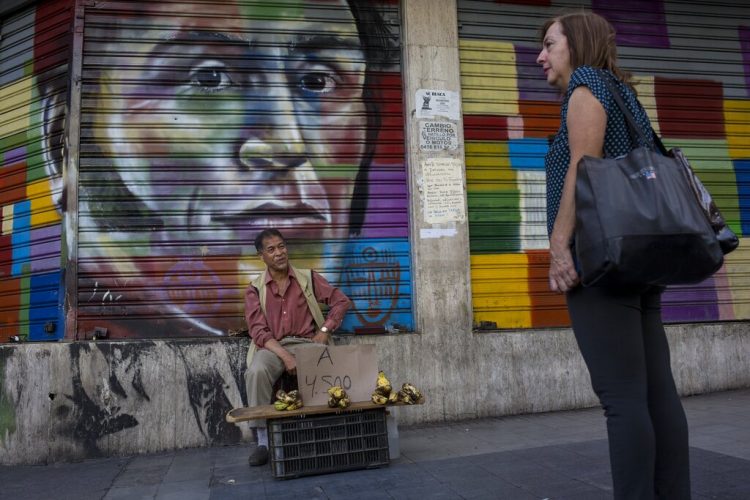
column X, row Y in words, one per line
column 633, row 129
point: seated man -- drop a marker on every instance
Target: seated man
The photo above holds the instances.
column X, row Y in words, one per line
column 282, row 313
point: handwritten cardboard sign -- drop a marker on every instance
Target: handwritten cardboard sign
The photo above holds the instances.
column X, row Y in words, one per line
column 353, row 367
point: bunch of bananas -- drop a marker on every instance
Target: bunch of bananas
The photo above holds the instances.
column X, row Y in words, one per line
column 385, row 394
column 337, row 397
column 383, row 391
column 287, row 400
column 409, row 394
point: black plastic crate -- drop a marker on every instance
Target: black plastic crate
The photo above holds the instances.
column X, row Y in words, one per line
column 318, row 444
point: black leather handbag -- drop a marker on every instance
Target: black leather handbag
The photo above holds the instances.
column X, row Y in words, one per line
column 645, row 218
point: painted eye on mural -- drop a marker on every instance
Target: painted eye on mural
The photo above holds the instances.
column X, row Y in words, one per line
column 210, row 76
column 318, row 83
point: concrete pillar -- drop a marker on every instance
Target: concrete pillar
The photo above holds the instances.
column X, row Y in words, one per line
column 438, row 356
column 442, row 281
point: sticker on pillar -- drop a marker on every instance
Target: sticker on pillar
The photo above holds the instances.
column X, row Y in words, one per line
column 432, row 103
column 443, row 190
column 438, row 136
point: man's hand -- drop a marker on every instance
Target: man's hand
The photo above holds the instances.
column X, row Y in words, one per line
column 321, row 337
column 290, row 363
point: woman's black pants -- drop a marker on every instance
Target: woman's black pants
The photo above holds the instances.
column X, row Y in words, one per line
column 622, row 339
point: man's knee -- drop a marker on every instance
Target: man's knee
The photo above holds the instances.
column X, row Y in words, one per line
column 258, row 372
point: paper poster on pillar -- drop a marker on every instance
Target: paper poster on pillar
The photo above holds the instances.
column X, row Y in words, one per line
column 443, row 190
column 432, row 103
column 438, row 136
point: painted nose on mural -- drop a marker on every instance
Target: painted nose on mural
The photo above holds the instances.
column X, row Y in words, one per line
column 279, row 147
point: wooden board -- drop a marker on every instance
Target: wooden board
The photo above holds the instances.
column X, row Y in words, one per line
column 266, row 412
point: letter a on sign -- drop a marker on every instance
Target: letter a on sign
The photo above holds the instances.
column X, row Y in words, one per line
column 326, row 354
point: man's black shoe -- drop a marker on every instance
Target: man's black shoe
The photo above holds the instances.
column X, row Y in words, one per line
column 259, row 456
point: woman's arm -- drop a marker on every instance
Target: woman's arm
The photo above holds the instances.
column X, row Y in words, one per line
column 587, row 123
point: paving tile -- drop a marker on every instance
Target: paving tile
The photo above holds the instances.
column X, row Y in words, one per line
column 93, row 478
column 708, row 440
column 339, row 490
column 527, row 472
column 736, row 492
column 273, row 489
column 469, row 487
column 716, row 462
column 141, row 476
column 737, row 434
column 544, row 454
column 736, row 449
column 715, row 428
column 467, row 481
column 237, row 474
column 198, row 486
column 592, row 494
column 132, row 493
column 432, row 491
column 501, row 491
column 598, row 449
column 186, row 472
column 231, row 456
column 238, row 492
column 362, row 495
column 581, row 468
column 555, row 489
column 150, row 461
column 204, row 494
column 494, row 495
column 298, row 496
column 460, row 465
column 493, row 460
column 599, row 480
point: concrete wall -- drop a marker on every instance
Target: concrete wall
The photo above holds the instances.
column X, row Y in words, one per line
column 69, row 401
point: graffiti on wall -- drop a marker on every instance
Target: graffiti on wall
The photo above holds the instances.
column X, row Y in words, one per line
column 199, row 129
column 7, row 408
column 75, row 400
column 510, row 112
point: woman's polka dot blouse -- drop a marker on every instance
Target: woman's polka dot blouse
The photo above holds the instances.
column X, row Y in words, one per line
column 617, row 141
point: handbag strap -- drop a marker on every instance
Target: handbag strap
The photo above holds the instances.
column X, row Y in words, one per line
column 634, row 130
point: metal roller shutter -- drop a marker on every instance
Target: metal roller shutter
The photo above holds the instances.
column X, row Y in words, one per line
column 34, row 51
column 204, row 122
column 691, row 61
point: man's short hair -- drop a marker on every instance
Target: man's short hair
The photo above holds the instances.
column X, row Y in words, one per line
column 267, row 233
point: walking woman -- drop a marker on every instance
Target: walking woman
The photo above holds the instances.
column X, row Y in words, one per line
column 619, row 330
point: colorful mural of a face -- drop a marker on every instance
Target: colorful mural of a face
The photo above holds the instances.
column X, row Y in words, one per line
column 224, row 125
column 202, row 126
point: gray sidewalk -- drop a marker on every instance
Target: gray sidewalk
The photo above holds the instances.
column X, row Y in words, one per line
column 560, row 455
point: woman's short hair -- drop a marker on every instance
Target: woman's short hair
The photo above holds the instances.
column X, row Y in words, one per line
column 591, row 41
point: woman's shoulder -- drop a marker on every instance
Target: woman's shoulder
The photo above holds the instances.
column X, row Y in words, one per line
column 585, row 75
column 593, row 79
